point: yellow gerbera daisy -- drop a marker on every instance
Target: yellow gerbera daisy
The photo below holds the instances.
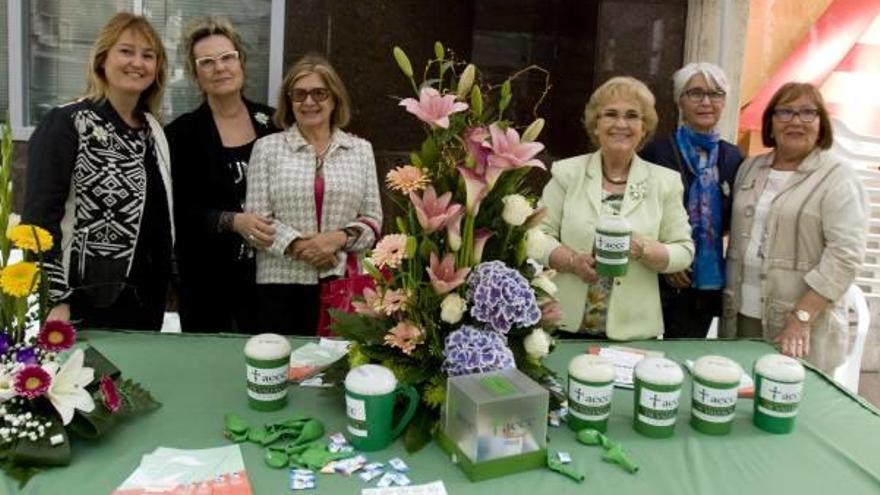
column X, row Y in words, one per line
column 19, row 279
column 31, row 238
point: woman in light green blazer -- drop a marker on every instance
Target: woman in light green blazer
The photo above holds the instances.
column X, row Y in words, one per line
column 619, row 119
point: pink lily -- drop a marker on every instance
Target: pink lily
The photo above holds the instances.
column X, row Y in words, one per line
column 432, row 108
column 476, row 188
column 453, row 231
column 444, row 277
column 480, row 238
column 370, row 305
column 432, row 212
column 475, row 141
column 509, row 153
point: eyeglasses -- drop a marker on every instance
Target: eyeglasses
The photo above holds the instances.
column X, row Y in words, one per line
column 630, row 116
column 806, row 115
column 318, row 94
column 210, row 63
column 696, row 95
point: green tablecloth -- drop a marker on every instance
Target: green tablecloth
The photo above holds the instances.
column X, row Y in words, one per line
column 834, row 449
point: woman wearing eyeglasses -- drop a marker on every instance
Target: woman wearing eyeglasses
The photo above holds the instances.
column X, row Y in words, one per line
column 614, row 182
column 708, row 165
column 319, row 185
column 210, row 150
column 797, row 234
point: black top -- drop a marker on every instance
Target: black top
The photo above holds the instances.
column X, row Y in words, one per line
column 209, row 179
column 119, row 217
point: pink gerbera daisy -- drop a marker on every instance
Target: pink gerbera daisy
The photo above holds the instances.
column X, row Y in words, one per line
column 32, row 381
column 390, row 251
column 56, row 336
column 405, row 336
column 109, row 393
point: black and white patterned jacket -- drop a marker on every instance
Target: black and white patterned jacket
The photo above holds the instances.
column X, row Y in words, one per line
column 87, row 185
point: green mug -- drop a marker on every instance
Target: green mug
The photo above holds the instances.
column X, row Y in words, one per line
column 370, row 393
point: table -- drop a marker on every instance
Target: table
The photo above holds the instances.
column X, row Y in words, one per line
column 835, row 447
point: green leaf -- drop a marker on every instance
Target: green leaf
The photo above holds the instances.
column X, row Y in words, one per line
column 372, row 270
column 41, row 452
column 415, row 159
column 427, row 247
column 97, row 361
column 355, row 327
column 430, row 153
column 137, row 399
column 420, row 430
column 401, row 225
column 410, row 246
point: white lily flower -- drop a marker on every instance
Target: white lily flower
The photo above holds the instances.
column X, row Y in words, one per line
column 68, row 389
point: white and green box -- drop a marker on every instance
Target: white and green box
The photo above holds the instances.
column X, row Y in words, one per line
column 495, row 423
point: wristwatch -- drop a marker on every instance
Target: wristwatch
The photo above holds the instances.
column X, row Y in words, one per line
column 802, row 316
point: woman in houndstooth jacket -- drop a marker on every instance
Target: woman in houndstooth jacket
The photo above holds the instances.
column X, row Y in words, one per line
column 319, row 186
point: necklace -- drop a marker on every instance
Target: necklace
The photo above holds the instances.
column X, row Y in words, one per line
column 617, row 181
column 319, row 156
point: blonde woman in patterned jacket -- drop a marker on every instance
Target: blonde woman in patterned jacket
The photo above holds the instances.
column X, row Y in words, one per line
column 99, row 180
column 319, row 186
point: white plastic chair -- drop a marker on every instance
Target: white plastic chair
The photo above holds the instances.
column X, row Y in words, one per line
column 847, row 374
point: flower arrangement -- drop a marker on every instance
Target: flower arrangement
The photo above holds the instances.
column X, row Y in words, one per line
column 453, row 288
column 47, row 383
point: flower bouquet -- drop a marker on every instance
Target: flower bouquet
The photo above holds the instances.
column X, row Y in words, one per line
column 48, row 386
column 454, row 290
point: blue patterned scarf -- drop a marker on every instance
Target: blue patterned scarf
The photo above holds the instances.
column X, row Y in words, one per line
column 704, row 207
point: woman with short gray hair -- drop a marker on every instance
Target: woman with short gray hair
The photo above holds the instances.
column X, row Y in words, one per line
column 708, row 166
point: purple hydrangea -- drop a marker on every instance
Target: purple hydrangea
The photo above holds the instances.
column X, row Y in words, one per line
column 501, row 297
column 474, row 350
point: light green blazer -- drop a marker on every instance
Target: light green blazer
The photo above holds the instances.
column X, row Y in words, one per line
column 653, row 206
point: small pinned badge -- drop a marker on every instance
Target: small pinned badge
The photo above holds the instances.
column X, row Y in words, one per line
column 725, row 189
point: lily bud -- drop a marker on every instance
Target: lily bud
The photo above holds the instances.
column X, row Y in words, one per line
column 439, row 52
column 466, row 81
column 403, row 62
column 477, row 102
column 532, row 131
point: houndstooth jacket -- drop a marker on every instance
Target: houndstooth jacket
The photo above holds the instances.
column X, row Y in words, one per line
column 281, row 178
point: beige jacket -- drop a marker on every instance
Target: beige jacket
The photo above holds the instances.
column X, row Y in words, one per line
column 814, row 239
column 651, row 204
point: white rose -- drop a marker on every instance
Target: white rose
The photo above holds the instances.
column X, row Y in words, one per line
column 544, row 283
column 537, row 344
column 452, row 308
column 516, row 209
column 538, row 243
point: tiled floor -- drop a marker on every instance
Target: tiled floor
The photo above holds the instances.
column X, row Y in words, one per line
column 869, row 387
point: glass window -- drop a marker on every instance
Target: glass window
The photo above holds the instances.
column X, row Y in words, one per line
column 252, row 20
column 58, row 37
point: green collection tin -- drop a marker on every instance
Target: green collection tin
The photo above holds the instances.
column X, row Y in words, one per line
column 714, row 394
column 657, row 394
column 779, row 385
column 612, row 246
column 590, row 390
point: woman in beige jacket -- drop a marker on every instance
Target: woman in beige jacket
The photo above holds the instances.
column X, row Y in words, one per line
column 797, row 236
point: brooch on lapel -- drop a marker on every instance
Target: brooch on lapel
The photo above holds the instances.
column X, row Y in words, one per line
column 262, row 118
column 725, row 188
column 637, row 191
